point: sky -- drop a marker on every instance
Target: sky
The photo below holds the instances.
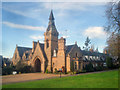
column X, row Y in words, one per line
column 24, row 22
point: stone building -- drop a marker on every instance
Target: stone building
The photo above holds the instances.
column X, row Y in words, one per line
column 55, row 54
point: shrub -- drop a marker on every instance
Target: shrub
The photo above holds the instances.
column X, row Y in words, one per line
column 7, row 70
column 25, row 69
column 19, row 72
column 89, row 67
column 74, row 72
column 56, row 70
column 109, row 62
column 98, row 68
column 46, row 71
column 78, row 71
column 83, row 71
column 71, row 73
column 72, row 66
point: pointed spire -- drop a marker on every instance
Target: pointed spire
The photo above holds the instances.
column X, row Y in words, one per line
column 51, row 15
column 51, row 25
column 16, row 45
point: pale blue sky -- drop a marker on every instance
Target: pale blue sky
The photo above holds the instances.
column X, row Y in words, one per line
column 23, row 22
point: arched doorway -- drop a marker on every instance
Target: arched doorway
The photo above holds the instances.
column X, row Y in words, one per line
column 37, row 65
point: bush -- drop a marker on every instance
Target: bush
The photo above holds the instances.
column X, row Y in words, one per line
column 74, row 72
column 25, row 69
column 115, row 66
column 89, row 67
column 83, row 71
column 7, row 70
column 46, row 71
column 56, row 70
column 71, row 73
column 98, row 68
column 109, row 62
column 72, row 66
column 19, row 72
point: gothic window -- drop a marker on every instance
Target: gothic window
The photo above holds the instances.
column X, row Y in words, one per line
column 79, row 65
column 75, row 65
column 47, row 43
column 15, row 55
column 55, row 54
column 76, row 55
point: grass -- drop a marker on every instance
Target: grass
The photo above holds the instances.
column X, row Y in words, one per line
column 107, row 79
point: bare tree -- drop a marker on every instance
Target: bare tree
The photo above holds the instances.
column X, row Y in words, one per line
column 113, row 25
column 113, row 16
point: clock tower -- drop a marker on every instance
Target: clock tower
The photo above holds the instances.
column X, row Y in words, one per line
column 51, row 41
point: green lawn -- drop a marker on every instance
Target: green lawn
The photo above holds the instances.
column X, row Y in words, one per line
column 107, row 79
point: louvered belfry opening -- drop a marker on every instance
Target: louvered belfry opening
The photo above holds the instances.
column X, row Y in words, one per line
column 37, row 65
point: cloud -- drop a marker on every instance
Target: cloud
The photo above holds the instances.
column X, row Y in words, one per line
column 18, row 12
column 57, row 0
column 13, row 25
column 64, row 34
column 61, row 6
column 95, row 32
column 37, row 37
column 64, row 6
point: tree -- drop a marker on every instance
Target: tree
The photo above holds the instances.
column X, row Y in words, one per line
column 87, row 42
column 113, row 25
column 112, row 47
column 109, row 62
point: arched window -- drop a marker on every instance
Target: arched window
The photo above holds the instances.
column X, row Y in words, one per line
column 15, row 55
column 47, row 43
column 54, row 54
column 75, row 65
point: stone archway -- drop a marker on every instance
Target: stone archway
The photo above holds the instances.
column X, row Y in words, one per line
column 37, row 65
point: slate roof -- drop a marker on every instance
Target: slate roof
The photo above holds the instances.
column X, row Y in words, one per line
column 28, row 51
column 51, row 16
column 88, row 53
column 68, row 48
column 51, row 24
column 21, row 50
column 42, row 47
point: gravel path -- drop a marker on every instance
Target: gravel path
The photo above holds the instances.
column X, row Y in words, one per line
column 34, row 76
column 27, row 77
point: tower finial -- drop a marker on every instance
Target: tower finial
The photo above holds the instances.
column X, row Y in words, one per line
column 75, row 42
column 51, row 15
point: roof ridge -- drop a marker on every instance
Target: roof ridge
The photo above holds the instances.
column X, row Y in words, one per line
column 23, row 47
